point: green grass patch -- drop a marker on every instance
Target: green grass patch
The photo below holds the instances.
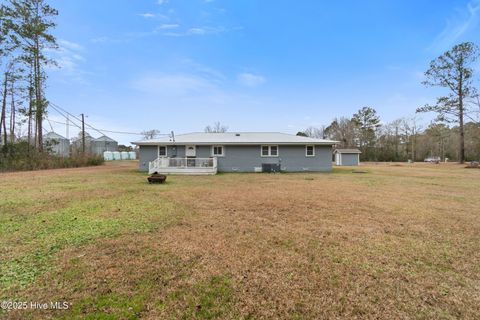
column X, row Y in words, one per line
column 31, row 240
column 107, row 306
column 208, row 299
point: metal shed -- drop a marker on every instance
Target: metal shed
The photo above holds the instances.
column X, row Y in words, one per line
column 102, row 144
column 347, row 157
column 57, row 144
column 77, row 143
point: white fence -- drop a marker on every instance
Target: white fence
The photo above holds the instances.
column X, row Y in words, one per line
column 183, row 165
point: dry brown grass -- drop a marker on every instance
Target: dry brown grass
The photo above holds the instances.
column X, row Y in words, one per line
column 400, row 241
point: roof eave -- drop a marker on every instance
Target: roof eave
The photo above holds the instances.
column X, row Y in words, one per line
column 168, row 143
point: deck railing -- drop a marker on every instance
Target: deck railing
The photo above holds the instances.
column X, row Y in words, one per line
column 191, row 164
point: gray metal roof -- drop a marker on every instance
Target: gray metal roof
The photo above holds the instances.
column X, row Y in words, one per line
column 236, row 138
column 53, row 135
column 104, row 138
column 347, row 151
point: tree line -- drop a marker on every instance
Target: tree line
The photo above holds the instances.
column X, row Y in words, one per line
column 454, row 134
column 26, row 44
column 25, row 40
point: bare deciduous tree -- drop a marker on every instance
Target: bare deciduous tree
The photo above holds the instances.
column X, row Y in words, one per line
column 315, row 132
column 217, row 127
column 344, row 130
column 150, row 134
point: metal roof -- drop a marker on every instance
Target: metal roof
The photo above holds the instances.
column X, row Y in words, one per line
column 236, row 138
column 53, row 135
column 104, row 138
column 347, row 151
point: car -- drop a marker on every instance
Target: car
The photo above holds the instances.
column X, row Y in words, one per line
column 432, row 160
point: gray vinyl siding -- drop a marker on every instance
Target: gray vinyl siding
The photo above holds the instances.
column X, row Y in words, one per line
column 244, row 158
column 145, row 155
column 349, row 159
column 291, row 159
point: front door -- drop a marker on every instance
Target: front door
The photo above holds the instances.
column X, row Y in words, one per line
column 190, row 151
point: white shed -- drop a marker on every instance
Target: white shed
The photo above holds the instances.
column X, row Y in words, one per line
column 347, row 157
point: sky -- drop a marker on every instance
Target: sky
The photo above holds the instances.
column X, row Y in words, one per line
column 180, row 65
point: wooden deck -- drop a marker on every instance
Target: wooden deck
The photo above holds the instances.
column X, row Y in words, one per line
column 187, row 166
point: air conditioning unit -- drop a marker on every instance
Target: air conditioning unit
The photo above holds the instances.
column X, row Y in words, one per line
column 270, row 167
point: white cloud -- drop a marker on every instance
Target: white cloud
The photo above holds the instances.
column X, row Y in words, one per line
column 64, row 44
column 195, row 31
column 167, row 26
column 161, row 2
column 147, row 15
column 199, row 31
column 462, row 22
column 250, row 79
column 203, row 70
column 69, row 57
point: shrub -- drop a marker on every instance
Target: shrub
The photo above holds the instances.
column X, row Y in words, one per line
column 20, row 157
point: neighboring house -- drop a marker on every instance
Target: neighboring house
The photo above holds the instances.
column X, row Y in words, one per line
column 102, row 144
column 207, row 153
column 57, row 144
column 347, row 157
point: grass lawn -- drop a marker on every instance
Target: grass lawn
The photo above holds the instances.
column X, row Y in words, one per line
column 401, row 241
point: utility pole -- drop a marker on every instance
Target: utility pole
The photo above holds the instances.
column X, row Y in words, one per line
column 67, row 128
column 83, row 133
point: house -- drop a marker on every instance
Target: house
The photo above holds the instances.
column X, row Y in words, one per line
column 57, row 144
column 347, row 157
column 207, row 153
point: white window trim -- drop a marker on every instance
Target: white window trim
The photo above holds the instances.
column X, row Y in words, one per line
column 306, row 148
column 218, row 155
column 261, row 151
column 269, row 151
column 166, row 151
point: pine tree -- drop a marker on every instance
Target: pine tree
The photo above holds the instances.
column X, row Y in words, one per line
column 30, row 23
column 452, row 70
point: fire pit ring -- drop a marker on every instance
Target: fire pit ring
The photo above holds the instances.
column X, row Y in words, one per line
column 157, row 178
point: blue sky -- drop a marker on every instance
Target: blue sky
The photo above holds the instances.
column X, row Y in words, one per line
column 252, row 65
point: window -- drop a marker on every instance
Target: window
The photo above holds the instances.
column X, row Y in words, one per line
column 310, row 151
column 269, row 151
column 273, row 151
column 265, row 151
column 162, row 151
column 217, row 151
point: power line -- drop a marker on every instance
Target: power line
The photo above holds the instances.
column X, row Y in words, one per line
column 101, row 131
column 63, row 115
column 56, row 106
column 51, row 127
